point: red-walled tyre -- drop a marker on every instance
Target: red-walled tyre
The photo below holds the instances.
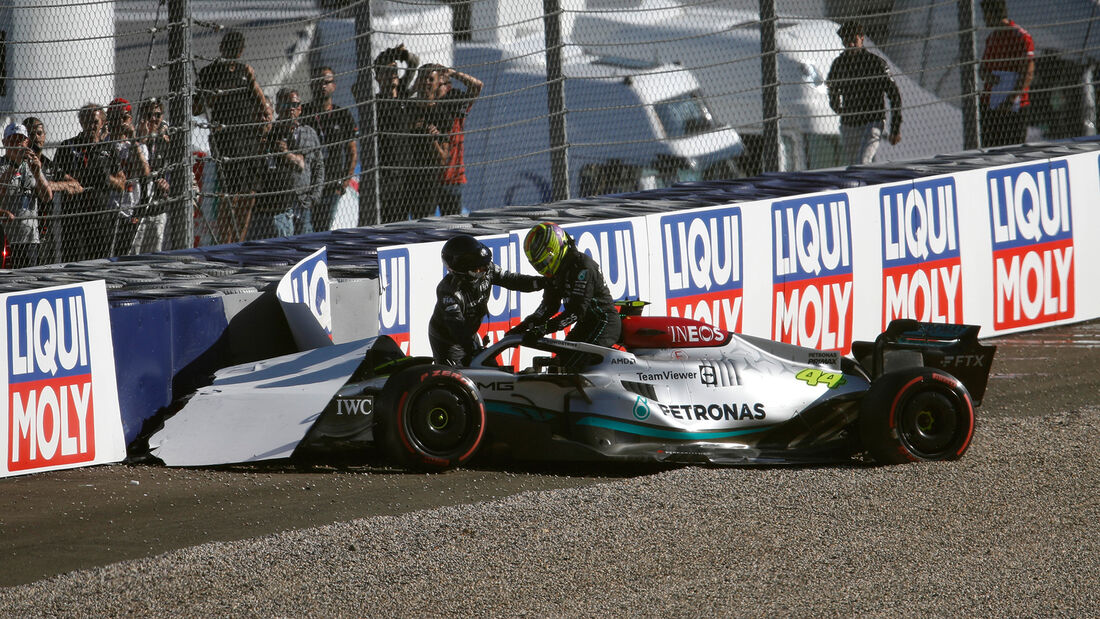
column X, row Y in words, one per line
column 433, row 418
column 916, row 414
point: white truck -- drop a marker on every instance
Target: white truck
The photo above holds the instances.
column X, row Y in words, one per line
column 630, row 125
column 721, row 48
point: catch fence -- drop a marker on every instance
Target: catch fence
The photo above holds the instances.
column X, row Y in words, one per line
column 161, row 124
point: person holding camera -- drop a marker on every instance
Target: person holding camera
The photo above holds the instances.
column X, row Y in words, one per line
column 23, row 187
column 293, row 174
column 129, row 169
column 437, row 125
column 394, row 92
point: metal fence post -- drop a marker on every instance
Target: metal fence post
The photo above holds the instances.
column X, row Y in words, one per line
column 555, row 99
column 769, row 74
column 363, row 90
column 181, row 216
column 967, row 81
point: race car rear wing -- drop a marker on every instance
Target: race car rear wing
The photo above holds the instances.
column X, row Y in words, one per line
column 953, row 348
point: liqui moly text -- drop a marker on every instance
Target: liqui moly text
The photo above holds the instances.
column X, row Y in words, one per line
column 702, row 264
column 51, row 412
column 1033, row 253
column 812, row 277
column 921, row 267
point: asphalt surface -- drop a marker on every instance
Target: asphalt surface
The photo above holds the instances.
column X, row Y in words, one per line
column 54, row 523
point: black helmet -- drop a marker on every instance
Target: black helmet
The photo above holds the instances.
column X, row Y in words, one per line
column 467, row 256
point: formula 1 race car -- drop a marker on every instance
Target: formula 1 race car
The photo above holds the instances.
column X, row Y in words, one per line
column 677, row 390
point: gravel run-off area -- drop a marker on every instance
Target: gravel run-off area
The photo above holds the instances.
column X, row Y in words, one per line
column 1010, row 530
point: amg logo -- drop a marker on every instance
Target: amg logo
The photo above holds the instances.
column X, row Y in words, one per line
column 356, row 406
column 500, row 385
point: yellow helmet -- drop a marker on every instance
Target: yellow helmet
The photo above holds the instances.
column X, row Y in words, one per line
column 546, row 245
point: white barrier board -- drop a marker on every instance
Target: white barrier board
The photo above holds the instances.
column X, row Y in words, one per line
column 1002, row 247
column 60, row 408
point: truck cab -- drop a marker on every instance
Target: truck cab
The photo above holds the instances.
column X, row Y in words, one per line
column 630, row 125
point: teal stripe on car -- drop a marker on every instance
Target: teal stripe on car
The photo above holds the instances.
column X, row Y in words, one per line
column 518, row 411
column 619, row 426
column 630, row 428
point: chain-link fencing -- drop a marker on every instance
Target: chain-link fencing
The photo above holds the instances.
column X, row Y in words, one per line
column 134, row 126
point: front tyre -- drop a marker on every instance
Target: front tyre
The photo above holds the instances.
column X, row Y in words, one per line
column 434, row 418
column 916, row 414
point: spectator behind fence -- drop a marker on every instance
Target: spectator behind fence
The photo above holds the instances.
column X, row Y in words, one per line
column 1007, row 68
column 22, row 188
column 238, row 111
column 458, row 104
column 131, row 170
column 337, row 132
column 859, row 82
column 394, row 93
column 88, row 161
column 47, row 223
column 152, row 211
column 293, row 173
column 437, row 149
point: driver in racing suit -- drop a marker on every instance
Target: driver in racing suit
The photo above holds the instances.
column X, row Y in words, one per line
column 576, row 287
column 462, row 298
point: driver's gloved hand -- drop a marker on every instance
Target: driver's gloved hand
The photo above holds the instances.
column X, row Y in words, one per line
column 517, row 330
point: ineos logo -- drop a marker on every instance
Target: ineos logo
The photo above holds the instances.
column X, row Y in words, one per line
column 695, row 333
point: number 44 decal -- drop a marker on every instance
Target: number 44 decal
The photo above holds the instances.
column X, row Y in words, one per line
column 814, row 377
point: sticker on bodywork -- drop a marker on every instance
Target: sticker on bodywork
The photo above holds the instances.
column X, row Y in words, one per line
column 814, row 377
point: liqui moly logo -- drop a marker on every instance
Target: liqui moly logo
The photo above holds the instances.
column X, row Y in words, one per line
column 812, row 282
column 51, row 412
column 702, row 265
column 393, row 304
column 921, row 268
column 309, row 285
column 614, row 247
column 1032, row 244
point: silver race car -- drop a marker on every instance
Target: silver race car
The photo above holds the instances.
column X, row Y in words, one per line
column 676, row 390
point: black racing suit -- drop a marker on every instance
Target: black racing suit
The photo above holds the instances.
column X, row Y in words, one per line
column 461, row 304
column 579, row 290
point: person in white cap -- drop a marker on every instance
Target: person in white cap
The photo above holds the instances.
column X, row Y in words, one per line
column 21, row 182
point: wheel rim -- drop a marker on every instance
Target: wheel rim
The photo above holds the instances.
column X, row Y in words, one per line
column 440, row 420
column 929, row 424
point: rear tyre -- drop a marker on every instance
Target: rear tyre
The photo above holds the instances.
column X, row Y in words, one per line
column 434, row 418
column 916, row 414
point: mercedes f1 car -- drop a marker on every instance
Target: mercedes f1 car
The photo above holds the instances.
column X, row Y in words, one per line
column 676, row 391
